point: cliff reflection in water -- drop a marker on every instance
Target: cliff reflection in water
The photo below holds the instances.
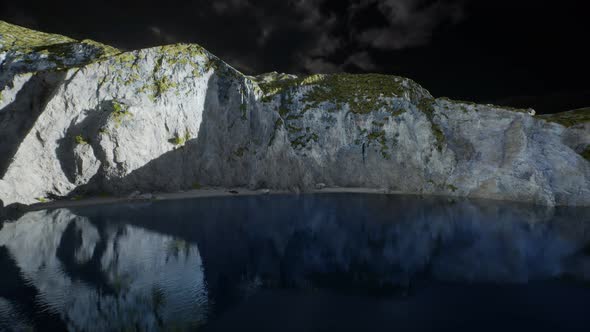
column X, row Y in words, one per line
column 98, row 277
column 179, row 263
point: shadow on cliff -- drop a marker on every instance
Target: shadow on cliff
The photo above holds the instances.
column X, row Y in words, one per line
column 185, row 167
column 88, row 130
column 18, row 118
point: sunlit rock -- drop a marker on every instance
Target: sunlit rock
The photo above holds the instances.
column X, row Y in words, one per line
column 95, row 120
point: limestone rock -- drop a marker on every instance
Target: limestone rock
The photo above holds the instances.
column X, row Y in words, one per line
column 320, row 186
column 146, row 196
column 167, row 118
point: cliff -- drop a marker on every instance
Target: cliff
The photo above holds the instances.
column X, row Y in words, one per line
column 81, row 118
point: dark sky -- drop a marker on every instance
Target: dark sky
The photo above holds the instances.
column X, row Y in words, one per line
column 519, row 53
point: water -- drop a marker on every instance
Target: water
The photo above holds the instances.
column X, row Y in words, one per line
column 350, row 262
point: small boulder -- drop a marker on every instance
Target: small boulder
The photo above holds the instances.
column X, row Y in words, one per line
column 320, row 186
column 146, row 196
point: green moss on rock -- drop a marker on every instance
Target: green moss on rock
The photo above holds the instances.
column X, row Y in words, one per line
column 397, row 112
column 376, row 135
column 56, row 48
column 79, row 139
column 185, row 54
column 294, row 117
column 211, row 64
column 278, row 124
column 426, row 105
column 164, row 84
column 362, row 93
column 177, row 140
column 17, row 38
column 464, row 105
column 379, row 137
column 241, row 151
column 283, row 111
column 107, row 50
column 299, row 142
column 292, row 129
column 120, row 111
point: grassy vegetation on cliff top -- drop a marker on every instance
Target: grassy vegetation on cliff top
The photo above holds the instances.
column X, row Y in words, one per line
column 462, row 105
column 23, row 40
column 362, row 92
column 570, row 118
column 14, row 37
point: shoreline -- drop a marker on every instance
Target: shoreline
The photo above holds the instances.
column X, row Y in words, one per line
column 197, row 193
column 19, row 209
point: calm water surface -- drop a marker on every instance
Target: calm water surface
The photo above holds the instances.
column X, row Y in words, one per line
column 331, row 262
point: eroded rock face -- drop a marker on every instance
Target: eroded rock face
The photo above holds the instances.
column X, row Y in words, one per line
column 176, row 117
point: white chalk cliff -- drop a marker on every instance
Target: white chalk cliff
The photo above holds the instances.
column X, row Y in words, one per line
column 82, row 118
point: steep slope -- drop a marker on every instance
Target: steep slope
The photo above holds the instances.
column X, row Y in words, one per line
column 176, row 117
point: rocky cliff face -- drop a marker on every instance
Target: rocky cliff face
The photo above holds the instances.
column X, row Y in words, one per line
column 81, row 118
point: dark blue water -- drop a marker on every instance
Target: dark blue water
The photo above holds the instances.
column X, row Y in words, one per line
column 329, row 262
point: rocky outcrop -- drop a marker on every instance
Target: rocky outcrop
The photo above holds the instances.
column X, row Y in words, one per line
column 92, row 120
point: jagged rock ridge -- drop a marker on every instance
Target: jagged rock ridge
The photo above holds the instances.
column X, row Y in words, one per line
column 82, row 118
